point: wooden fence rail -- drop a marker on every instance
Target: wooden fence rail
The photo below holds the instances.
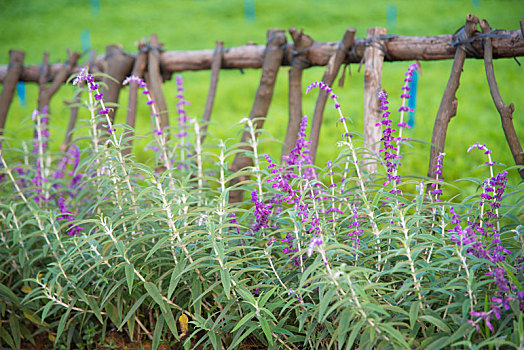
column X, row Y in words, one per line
column 157, row 65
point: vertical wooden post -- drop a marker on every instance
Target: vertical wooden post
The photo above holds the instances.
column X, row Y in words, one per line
column 118, row 67
column 154, row 79
column 330, row 74
column 43, row 97
column 448, row 104
column 276, row 41
column 46, row 92
column 138, row 70
column 505, row 111
column 14, row 70
column 74, row 108
column 373, row 58
column 301, row 43
column 216, row 63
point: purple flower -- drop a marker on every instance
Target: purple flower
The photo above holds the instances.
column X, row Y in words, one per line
column 135, row 79
column 83, row 75
column 289, row 249
column 67, row 215
column 388, row 150
column 315, row 241
column 262, row 212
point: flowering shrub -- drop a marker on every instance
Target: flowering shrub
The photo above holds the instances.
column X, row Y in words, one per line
column 312, row 258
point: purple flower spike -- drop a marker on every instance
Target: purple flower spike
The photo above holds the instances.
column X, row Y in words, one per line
column 134, row 78
column 315, row 241
column 388, row 149
column 262, row 212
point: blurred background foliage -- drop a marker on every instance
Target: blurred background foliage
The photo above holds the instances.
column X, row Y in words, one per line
column 36, row 26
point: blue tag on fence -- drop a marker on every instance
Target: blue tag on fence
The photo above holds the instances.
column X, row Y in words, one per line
column 391, row 16
column 20, row 91
column 94, row 6
column 249, row 10
column 85, row 39
column 412, row 102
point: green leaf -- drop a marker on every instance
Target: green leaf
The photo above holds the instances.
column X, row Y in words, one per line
column 265, row 297
column 175, row 278
column 324, row 303
column 15, row 329
column 226, row 281
column 244, row 319
column 7, row 337
column 154, row 293
column 63, row 321
column 267, row 331
column 395, row 334
column 170, row 320
column 130, row 275
column 133, row 309
column 113, row 314
column 437, row 322
column 512, row 276
column 439, row 343
column 343, row 326
column 413, row 313
column 5, row 291
column 120, row 248
column 94, row 307
column 159, row 327
column 353, row 335
column 241, row 336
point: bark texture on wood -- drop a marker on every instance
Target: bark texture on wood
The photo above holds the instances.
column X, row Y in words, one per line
column 138, row 70
column 215, row 69
column 74, row 109
column 398, row 48
column 47, row 91
column 118, row 67
column 330, row 74
column 154, row 79
column 505, row 111
column 373, row 57
column 276, row 40
column 16, row 65
column 72, row 121
column 299, row 61
column 448, row 104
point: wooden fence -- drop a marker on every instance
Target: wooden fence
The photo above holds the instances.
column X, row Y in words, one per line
column 157, row 65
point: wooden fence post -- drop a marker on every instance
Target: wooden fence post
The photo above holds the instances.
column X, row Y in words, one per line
column 16, row 65
column 74, row 109
column 154, row 79
column 301, row 43
column 118, row 67
column 46, row 92
column 138, row 70
column 276, row 42
column 448, row 104
column 505, row 111
column 373, row 57
column 215, row 68
column 330, row 74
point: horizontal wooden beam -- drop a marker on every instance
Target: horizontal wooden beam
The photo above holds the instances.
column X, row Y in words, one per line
column 506, row 44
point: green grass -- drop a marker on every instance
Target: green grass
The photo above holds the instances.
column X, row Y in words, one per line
column 54, row 26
